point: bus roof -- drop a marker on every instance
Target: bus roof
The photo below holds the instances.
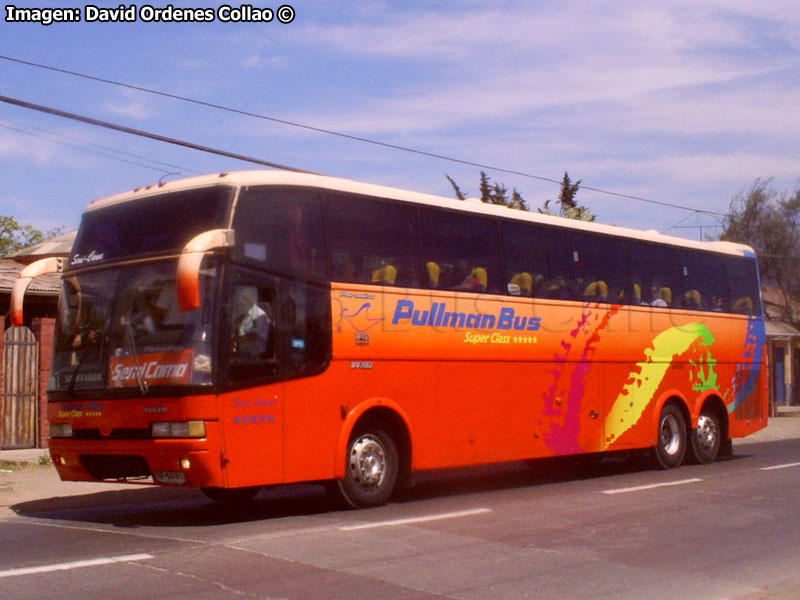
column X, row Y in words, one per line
column 473, row 205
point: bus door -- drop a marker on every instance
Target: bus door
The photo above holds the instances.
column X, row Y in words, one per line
column 252, row 411
column 279, row 337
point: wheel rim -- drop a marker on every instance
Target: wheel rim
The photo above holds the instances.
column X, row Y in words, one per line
column 707, row 432
column 368, row 462
column 670, row 435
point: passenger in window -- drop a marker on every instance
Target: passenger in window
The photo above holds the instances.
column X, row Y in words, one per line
column 471, row 280
column 521, row 284
column 692, row 300
column 558, row 289
column 659, row 296
column 743, row 306
column 434, row 274
column 252, row 322
column 386, row 275
column 597, row 291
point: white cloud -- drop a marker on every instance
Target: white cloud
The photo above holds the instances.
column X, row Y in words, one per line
column 131, row 103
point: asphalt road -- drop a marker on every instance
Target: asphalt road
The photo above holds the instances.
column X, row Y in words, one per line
column 618, row 530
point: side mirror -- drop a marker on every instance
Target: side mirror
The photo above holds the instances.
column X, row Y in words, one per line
column 28, row 274
column 189, row 264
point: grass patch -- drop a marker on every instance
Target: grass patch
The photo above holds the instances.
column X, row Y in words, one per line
column 9, row 466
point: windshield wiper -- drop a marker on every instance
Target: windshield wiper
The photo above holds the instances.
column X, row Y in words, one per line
column 137, row 370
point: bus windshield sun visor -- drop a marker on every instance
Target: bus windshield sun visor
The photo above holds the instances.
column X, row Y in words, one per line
column 28, row 274
column 190, row 261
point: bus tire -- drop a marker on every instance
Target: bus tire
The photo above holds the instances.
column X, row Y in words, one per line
column 671, row 438
column 706, row 439
column 231, row 496
column 372, row 467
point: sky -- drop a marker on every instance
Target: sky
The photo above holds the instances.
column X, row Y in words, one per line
column 678, row 103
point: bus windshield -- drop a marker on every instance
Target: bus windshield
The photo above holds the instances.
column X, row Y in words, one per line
column 148, row 226
column 122, row 328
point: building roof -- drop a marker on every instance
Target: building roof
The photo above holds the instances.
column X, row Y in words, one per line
column 46, row 285
column 57, row 246
column 780, row 329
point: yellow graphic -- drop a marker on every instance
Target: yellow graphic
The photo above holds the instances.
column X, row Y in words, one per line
column 643, row 384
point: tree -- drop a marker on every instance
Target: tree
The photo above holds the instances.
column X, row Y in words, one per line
column 769, row 221
column 14, row 237
column 497, row 193
column 568, row 205
column 493, row 193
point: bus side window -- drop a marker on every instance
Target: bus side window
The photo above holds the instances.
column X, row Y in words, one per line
column 252, row 323
column 743, row 291
column 600, row 267
column 465, row 248
column 536, row 260
column 658, row 271
column 373, row 241
column 281, row 229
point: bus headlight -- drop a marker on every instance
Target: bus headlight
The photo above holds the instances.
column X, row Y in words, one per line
column 182, row 429
column 60, row 430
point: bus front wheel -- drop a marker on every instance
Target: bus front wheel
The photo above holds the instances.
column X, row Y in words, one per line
column 372, row 467
column 671, row 441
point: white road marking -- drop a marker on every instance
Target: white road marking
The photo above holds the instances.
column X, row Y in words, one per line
column 79, row 564
column 786, row 466
column 640, row 488
column 412, row 520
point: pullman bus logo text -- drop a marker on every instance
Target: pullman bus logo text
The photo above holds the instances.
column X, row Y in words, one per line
column 438, row 316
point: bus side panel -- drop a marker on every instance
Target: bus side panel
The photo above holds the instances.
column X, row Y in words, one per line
column 252, row 423
column 524, row 377
column 316, row 409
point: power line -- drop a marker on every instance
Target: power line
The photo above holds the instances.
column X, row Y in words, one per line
column 146, row 134
column 349, row 136
column 51, row 135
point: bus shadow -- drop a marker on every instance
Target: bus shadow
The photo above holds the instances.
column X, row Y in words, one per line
column 523, row 474
column 176, row 507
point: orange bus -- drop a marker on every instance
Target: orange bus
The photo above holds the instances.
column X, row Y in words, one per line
column 245, row 329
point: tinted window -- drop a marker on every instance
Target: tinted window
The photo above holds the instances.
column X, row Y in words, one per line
column 373, row 241
column 461, row 252
column 537, row 260
column 281, row 228
column 707, row 282
column 743, row 279
column 657, row 274
column 600, row 267
column 158, row 224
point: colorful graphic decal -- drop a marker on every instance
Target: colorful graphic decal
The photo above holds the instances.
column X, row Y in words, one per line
column 748, row 371
column 646, row 380
column 563, row 400
column 360, row 319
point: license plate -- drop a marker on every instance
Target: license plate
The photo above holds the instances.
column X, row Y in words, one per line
column 173, row 477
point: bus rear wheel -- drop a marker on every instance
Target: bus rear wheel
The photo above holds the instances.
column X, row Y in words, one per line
column 706, row 439
column 671, row 442
column 372, row 467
